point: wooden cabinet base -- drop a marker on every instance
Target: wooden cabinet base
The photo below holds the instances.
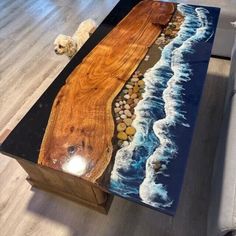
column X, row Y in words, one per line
column 67, row 186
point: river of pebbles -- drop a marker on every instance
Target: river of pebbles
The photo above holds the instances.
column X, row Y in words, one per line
column 131, row 94
column 124, row 108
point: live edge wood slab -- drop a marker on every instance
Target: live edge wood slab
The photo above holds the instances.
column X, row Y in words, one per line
column 81, row 115
column 120, row 117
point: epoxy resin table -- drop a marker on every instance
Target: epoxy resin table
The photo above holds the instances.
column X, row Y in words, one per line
column 120, row 117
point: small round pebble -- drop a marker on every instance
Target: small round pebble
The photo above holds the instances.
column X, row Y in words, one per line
column 121, row 127
column 140, row 82
column 121, row 112
column 132, row 108
column 127, row 106
column 130, row 131
column 128, row 113
column 134, row 95
column 136, row 89
column 129, row 86
column 134, row 79
column 128, row 121
column 117, row 104
column 130, row 91
column 122, row 136
column 136, row 100
column 123, row 116
column 129, row 101
column 117, row 109
column 127, row 96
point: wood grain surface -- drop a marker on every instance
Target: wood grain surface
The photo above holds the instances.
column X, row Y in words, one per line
column 81, row 115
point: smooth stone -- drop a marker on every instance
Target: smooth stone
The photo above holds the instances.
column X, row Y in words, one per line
column 130, row 91
column 121, row 112
column 129, row 86
column 124, row 102
column 130, row 101
column 120, row 102
column 121, row 127
column 128, row 113
column 134, row 95
column 140, row 82
column 127, row 96
column 128, row 121
column 168, row 32
column 136, row 89
column 117, row 104
column 136, row 100
column 122, row 136
column 117, row 118
column 117, row 109
column 127, row 107
column 125, row 91
column 123, row 116
column 134, row 79
column 132, row 105
column 130, row 131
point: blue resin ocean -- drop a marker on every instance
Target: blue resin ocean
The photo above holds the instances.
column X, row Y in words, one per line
column 166, row 115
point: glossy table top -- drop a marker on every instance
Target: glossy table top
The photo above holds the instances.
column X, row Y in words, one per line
column 125, row 118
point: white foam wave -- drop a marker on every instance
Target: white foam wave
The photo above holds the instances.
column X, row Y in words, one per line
column 179, row 71
column 171, row 102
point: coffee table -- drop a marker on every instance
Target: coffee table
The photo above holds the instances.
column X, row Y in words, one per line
column 119, row 119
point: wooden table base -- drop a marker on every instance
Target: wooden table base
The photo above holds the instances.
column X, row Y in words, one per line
column 67, row 186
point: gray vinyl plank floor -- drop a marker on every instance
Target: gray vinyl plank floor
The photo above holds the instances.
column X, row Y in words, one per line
column 27, row 66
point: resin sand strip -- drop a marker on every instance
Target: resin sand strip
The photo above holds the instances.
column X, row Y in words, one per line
column 78, row 137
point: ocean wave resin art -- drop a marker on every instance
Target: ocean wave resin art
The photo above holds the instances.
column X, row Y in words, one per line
column 141, row 165
column 121, row 115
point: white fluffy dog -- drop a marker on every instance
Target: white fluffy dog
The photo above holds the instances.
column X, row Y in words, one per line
column 68, row 45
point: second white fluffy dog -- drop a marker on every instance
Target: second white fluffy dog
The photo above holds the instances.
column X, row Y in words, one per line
column 68, row 45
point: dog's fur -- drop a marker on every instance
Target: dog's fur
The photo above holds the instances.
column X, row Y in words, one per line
column 68, row 45
column 233, row 24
